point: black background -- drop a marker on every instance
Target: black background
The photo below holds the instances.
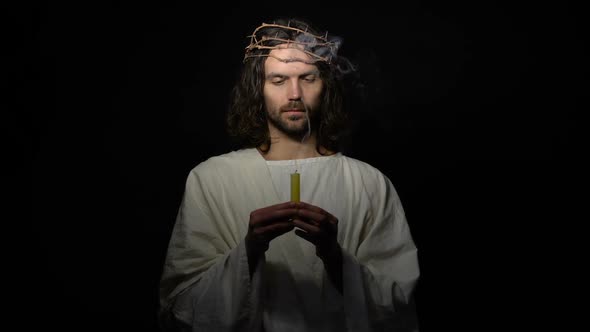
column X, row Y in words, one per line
column 473, row 109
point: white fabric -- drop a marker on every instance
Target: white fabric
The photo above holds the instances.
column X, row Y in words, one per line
column 206, row 282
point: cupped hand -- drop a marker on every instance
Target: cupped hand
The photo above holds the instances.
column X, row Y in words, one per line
column 319, row 227
column 268, row 223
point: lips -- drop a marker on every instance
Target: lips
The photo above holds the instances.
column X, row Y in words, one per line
column 293, row 107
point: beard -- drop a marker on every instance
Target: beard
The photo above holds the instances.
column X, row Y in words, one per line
column 296, row 126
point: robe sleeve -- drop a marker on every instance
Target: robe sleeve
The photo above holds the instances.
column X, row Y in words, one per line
column 206, row 282
column 380, row 277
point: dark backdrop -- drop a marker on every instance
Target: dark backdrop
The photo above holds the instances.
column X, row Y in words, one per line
column 472, row 112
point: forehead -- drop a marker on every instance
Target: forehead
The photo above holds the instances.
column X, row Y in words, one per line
column 289, row 58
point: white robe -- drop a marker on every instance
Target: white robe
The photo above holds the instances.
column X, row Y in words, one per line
column 206, row 282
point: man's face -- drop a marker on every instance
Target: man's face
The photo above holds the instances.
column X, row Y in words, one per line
column 291, row 88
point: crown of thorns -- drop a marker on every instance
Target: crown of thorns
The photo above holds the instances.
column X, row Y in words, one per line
column 320, row 48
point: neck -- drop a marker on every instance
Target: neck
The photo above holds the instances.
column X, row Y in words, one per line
column 283, row 147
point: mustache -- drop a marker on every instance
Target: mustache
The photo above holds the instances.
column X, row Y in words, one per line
column 294, row 105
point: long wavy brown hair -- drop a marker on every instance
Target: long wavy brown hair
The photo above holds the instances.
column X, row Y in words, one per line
column 246, row 119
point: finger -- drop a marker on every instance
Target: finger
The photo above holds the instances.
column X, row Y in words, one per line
column 311, row 207
column 306, row 226
column 305, row 236
column 272, row 231
column 318, row 219
column 280, row 206
column 310, row 217
column 315, row 213
column 275, row 208
column 266, row 217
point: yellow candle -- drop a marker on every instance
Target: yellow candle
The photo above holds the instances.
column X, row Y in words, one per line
column 295, row 187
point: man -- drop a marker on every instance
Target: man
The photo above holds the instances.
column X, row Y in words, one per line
column 337, row 255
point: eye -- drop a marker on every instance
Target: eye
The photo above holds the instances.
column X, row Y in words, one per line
column 277, row 81
column 309, row 78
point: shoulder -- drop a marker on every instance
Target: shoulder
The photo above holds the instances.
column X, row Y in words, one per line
column 374, row 181
column 364, row 169
column 223, row 162
column 209, row 172
column 376, row 185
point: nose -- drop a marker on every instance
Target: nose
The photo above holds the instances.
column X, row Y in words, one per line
column 294, row 91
